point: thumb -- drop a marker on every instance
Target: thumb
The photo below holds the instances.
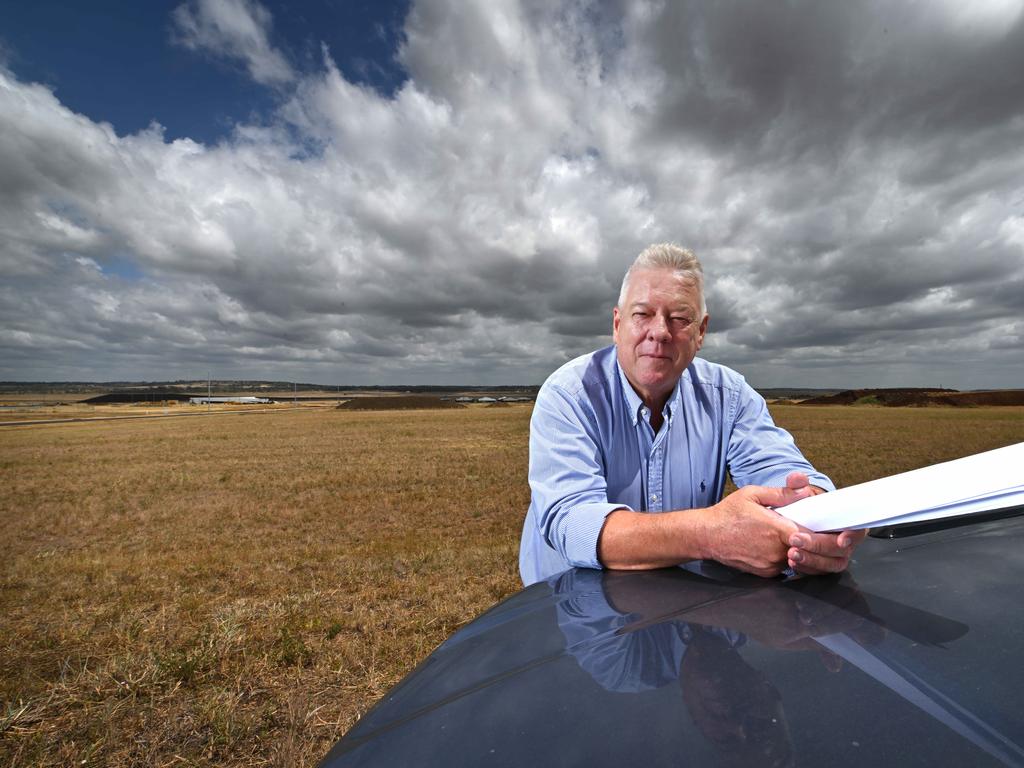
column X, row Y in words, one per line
column 796, row 480
column 780, row 497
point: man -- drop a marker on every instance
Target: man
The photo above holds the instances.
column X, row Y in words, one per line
column 629, row 448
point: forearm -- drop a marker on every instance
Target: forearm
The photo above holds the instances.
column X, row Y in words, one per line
column 742, row 531
column 639, row 541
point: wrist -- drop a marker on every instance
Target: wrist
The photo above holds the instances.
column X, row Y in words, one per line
column 704, row 532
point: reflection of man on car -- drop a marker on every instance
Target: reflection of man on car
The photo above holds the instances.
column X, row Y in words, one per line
column 634, row 632
column 733, row 704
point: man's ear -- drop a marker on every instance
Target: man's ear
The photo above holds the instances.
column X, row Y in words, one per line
column 616, row 317
column 702, row 330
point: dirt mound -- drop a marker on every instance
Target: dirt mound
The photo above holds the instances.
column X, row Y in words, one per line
column 401, row 403
column 915, row 396
column 994, row 397
column 140, row 397
column 904, row 396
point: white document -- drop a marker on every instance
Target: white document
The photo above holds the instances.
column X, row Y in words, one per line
column 979, row 483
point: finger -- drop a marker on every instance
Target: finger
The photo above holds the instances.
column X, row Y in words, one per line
column 850, row 539
column 784, row 529
column 779, row 497
column 819, row 543
column 797, row 480
column 807, row 562
column 767, row 573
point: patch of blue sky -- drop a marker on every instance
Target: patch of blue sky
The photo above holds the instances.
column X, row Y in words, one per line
column 362, row 36
column 115, row 61
column 122, row 266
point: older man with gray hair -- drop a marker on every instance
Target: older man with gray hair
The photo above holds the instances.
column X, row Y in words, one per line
column 630, row 445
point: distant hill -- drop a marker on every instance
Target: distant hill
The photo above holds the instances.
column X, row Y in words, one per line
column 152, row 390
column 793, row 393
column 912, row 396
column 142, row 397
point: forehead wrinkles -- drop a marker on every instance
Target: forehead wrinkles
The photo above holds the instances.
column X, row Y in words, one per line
column 668, row 290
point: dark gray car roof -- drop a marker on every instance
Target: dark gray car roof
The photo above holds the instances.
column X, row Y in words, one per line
column 912, row 657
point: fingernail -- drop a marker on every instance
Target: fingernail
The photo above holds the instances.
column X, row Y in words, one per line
column 796, row 556
column 846, row 543
column 796, row 540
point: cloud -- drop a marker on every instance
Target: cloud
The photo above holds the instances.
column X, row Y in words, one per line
column 850, row 176
column 236, row 30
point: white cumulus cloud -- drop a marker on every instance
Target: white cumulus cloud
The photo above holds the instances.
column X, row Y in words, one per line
column 853, row 186
column 233, row 29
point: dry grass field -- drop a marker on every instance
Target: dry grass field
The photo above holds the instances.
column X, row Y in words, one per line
column 237, row 589
column 22, row 409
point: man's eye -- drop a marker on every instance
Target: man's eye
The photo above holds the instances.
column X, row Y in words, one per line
column 681, row 320
column 639, row 315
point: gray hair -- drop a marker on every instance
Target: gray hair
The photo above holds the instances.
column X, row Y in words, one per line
column 668, row 256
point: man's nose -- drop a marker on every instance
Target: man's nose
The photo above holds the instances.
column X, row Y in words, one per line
column 657, row 329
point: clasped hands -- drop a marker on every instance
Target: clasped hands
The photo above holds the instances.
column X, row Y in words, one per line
column 748, row 534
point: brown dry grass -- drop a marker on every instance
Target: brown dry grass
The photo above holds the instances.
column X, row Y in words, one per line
column 855, row 444
column 238, row 590
column 25, row 410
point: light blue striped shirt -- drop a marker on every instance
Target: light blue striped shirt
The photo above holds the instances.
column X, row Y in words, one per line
column 592, row 451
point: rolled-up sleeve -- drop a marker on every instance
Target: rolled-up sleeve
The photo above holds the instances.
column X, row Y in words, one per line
column 567, row 477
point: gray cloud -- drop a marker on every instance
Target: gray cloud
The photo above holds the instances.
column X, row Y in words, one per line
column 850, row 174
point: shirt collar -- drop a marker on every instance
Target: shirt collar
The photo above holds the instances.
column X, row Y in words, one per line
column 635, row 404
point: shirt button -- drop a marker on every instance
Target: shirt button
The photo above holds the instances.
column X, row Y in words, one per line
column 654, row 497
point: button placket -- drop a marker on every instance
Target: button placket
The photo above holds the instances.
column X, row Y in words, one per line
column 656, row 495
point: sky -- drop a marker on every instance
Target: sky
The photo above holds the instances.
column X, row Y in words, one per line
column 449, row 191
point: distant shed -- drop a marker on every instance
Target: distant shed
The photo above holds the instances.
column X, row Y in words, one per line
column 231, row 400
column 401, row 403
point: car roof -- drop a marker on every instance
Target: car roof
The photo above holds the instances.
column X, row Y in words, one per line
column 911, row 657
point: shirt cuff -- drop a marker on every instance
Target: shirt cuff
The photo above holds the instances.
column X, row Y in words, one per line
column 579, row 544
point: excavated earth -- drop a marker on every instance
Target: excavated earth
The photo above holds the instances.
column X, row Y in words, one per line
column 920, row 397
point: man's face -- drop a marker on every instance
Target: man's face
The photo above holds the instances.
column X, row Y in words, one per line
column 658, row 331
